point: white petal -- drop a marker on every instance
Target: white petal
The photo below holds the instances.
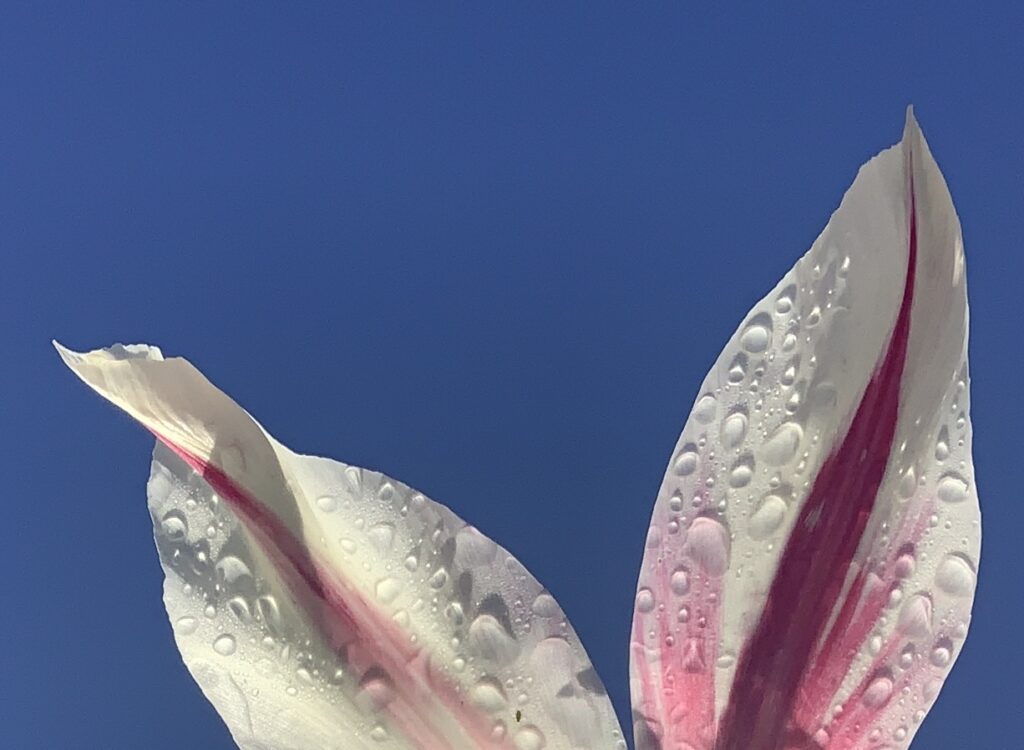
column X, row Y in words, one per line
column 320, row 605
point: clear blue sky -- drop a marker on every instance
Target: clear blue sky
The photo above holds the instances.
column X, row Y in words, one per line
column 490, row 253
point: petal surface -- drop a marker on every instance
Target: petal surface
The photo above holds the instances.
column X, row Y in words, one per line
column 320, row 605
column 812, row 555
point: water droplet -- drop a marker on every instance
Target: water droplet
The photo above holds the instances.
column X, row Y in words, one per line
column 488, row 695
column 381, row 536
column 734, row 429
column 174, row 525
column 955, row 576
column 529, row 738
column 232, row 572
column 952, row 488
column 240, row 608
column 942, row 653
column 327, row 503
column 545, row 606
column 878, row 692
column 742, row 472
column 438, row 579
column 270, row 613
column 225, row 645
column 644, row 600
column 784, row 302
column 782, row 445
column 707, row 544
column 687, row 461
column 680, row 581
column 738, row 368
column 388, row 589
column 757, row 336
column 376, row 690
column 769, row 515
column 186, row 625
column 915, row 618
column 942, row 445
column 908, row 483
column 705, row 408
column 905, row 564
column 489, row 640
column 473, row 549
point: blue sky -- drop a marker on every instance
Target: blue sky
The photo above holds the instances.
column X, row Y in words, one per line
column 492, row 253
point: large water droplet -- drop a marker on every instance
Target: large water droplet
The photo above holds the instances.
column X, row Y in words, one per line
column 705, row 408
column 784, row 302
column 707, row 544
column 545, row 606
column 376, row 690
column 680, row 581
column 769, row 515
column 757, row 336
column 915, row 619
column 327, row 503
column 734, row 429
column 388, row 589
column 529, row 738
column 952, row 488
column 382, row 537
column 955, row 576
column 942, row 444
column 687, row 461
column 174, row 526
column 488, row 695
column 878, row 692
column 489, row 640
column 644, row 600
column 782, row 445
column 225, row 645
column 742, row 472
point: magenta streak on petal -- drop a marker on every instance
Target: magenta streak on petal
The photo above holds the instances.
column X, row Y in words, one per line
column 818, row 555
column 863, row 604
column 384, row 644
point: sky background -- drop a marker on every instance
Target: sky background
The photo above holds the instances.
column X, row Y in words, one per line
column 492, row 253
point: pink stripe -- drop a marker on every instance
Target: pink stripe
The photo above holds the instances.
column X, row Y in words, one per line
column 818, row 555
column 349, row 613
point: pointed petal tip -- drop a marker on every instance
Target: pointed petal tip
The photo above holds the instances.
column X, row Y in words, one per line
column 114, row 352
column 912, row 135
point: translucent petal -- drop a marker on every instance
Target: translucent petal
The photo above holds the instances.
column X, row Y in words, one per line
column 320, row 605
column 813, row 549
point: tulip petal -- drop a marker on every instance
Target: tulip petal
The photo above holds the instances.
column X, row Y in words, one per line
column 813, row 550
column 320, row 605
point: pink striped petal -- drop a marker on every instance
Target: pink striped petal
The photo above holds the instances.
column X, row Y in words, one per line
column 320, row 605
column 812, row 555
